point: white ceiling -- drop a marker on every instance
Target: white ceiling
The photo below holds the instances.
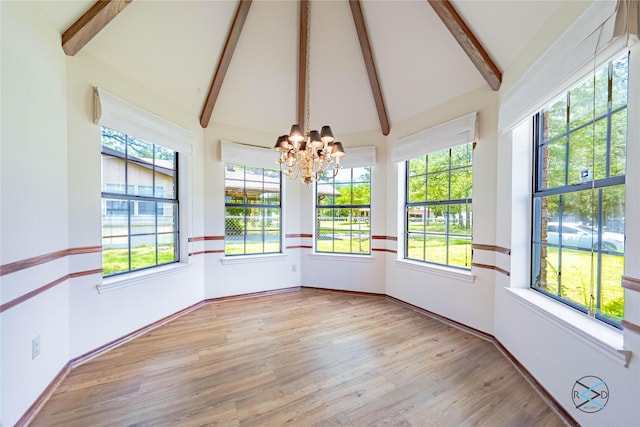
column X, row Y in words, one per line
column 173, row 47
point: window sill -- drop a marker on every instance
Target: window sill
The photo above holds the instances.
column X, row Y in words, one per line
column 604, row 338
column 341, row 257
column 451, row 273
column 137, row 277
column 245, row 259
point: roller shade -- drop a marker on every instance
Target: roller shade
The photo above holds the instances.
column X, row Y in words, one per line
column 117, row 114
column 358, row 157
column 248, row 155
column 446, row 135
column 599, row 33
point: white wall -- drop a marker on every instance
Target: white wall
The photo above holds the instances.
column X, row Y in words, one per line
column 350, row 272
column 34, row 151
column 468, row 303
column 50, row 201
column 34, row 203
column 556, row 353
column 244, row 275
column 100, row 318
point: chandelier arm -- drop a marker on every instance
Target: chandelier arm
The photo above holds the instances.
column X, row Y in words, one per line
column 335, row 173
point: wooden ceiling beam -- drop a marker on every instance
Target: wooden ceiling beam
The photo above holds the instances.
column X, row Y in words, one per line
column 91, row 23
column 302, row 64
column 367, row 55
column 468, row 41
column 225, row 60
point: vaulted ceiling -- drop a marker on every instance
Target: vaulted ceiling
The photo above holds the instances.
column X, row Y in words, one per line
column 173, row 48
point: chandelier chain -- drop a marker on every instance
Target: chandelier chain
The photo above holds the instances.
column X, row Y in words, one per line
column 305, row 153
column 307, row 93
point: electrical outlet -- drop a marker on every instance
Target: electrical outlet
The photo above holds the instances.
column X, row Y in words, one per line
column 294, row 268
column 35, row 347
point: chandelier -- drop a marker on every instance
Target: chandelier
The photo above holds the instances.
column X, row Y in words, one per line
column 308, row 154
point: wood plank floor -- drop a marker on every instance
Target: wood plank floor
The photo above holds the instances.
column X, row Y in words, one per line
column 303, row 358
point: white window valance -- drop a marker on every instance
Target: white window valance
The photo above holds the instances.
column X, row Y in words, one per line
column 117, row 114
column 446, row 135
column 248, row 155
column 604, row 29
column 358, row 157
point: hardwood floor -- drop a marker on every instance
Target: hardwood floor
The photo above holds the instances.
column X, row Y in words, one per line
column 303, row 358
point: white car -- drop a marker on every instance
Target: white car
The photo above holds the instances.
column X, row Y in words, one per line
column 582, row 236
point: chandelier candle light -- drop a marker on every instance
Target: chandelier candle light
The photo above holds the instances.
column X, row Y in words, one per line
column 311, row 156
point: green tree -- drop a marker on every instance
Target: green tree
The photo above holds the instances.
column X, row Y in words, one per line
column 137, row 148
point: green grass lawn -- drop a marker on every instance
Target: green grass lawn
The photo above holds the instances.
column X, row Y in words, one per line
column 344, row 225
column 342, row 237
column 436, row 251
column 434, row 248
column 239, row 248
column 577, row 271
column 345, row 245
column 438, row 227
column 117, row 260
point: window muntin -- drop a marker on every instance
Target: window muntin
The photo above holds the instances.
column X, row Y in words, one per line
column 343, row 212
column 579, row 194
column 253, row 210
column 438, row 207
column 139, row 227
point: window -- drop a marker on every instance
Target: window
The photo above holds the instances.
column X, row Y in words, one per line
column 343, row 210
column 139, row 224
column 252, row 210
column 117, row 207
column 579, row 194
column 438, row 209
